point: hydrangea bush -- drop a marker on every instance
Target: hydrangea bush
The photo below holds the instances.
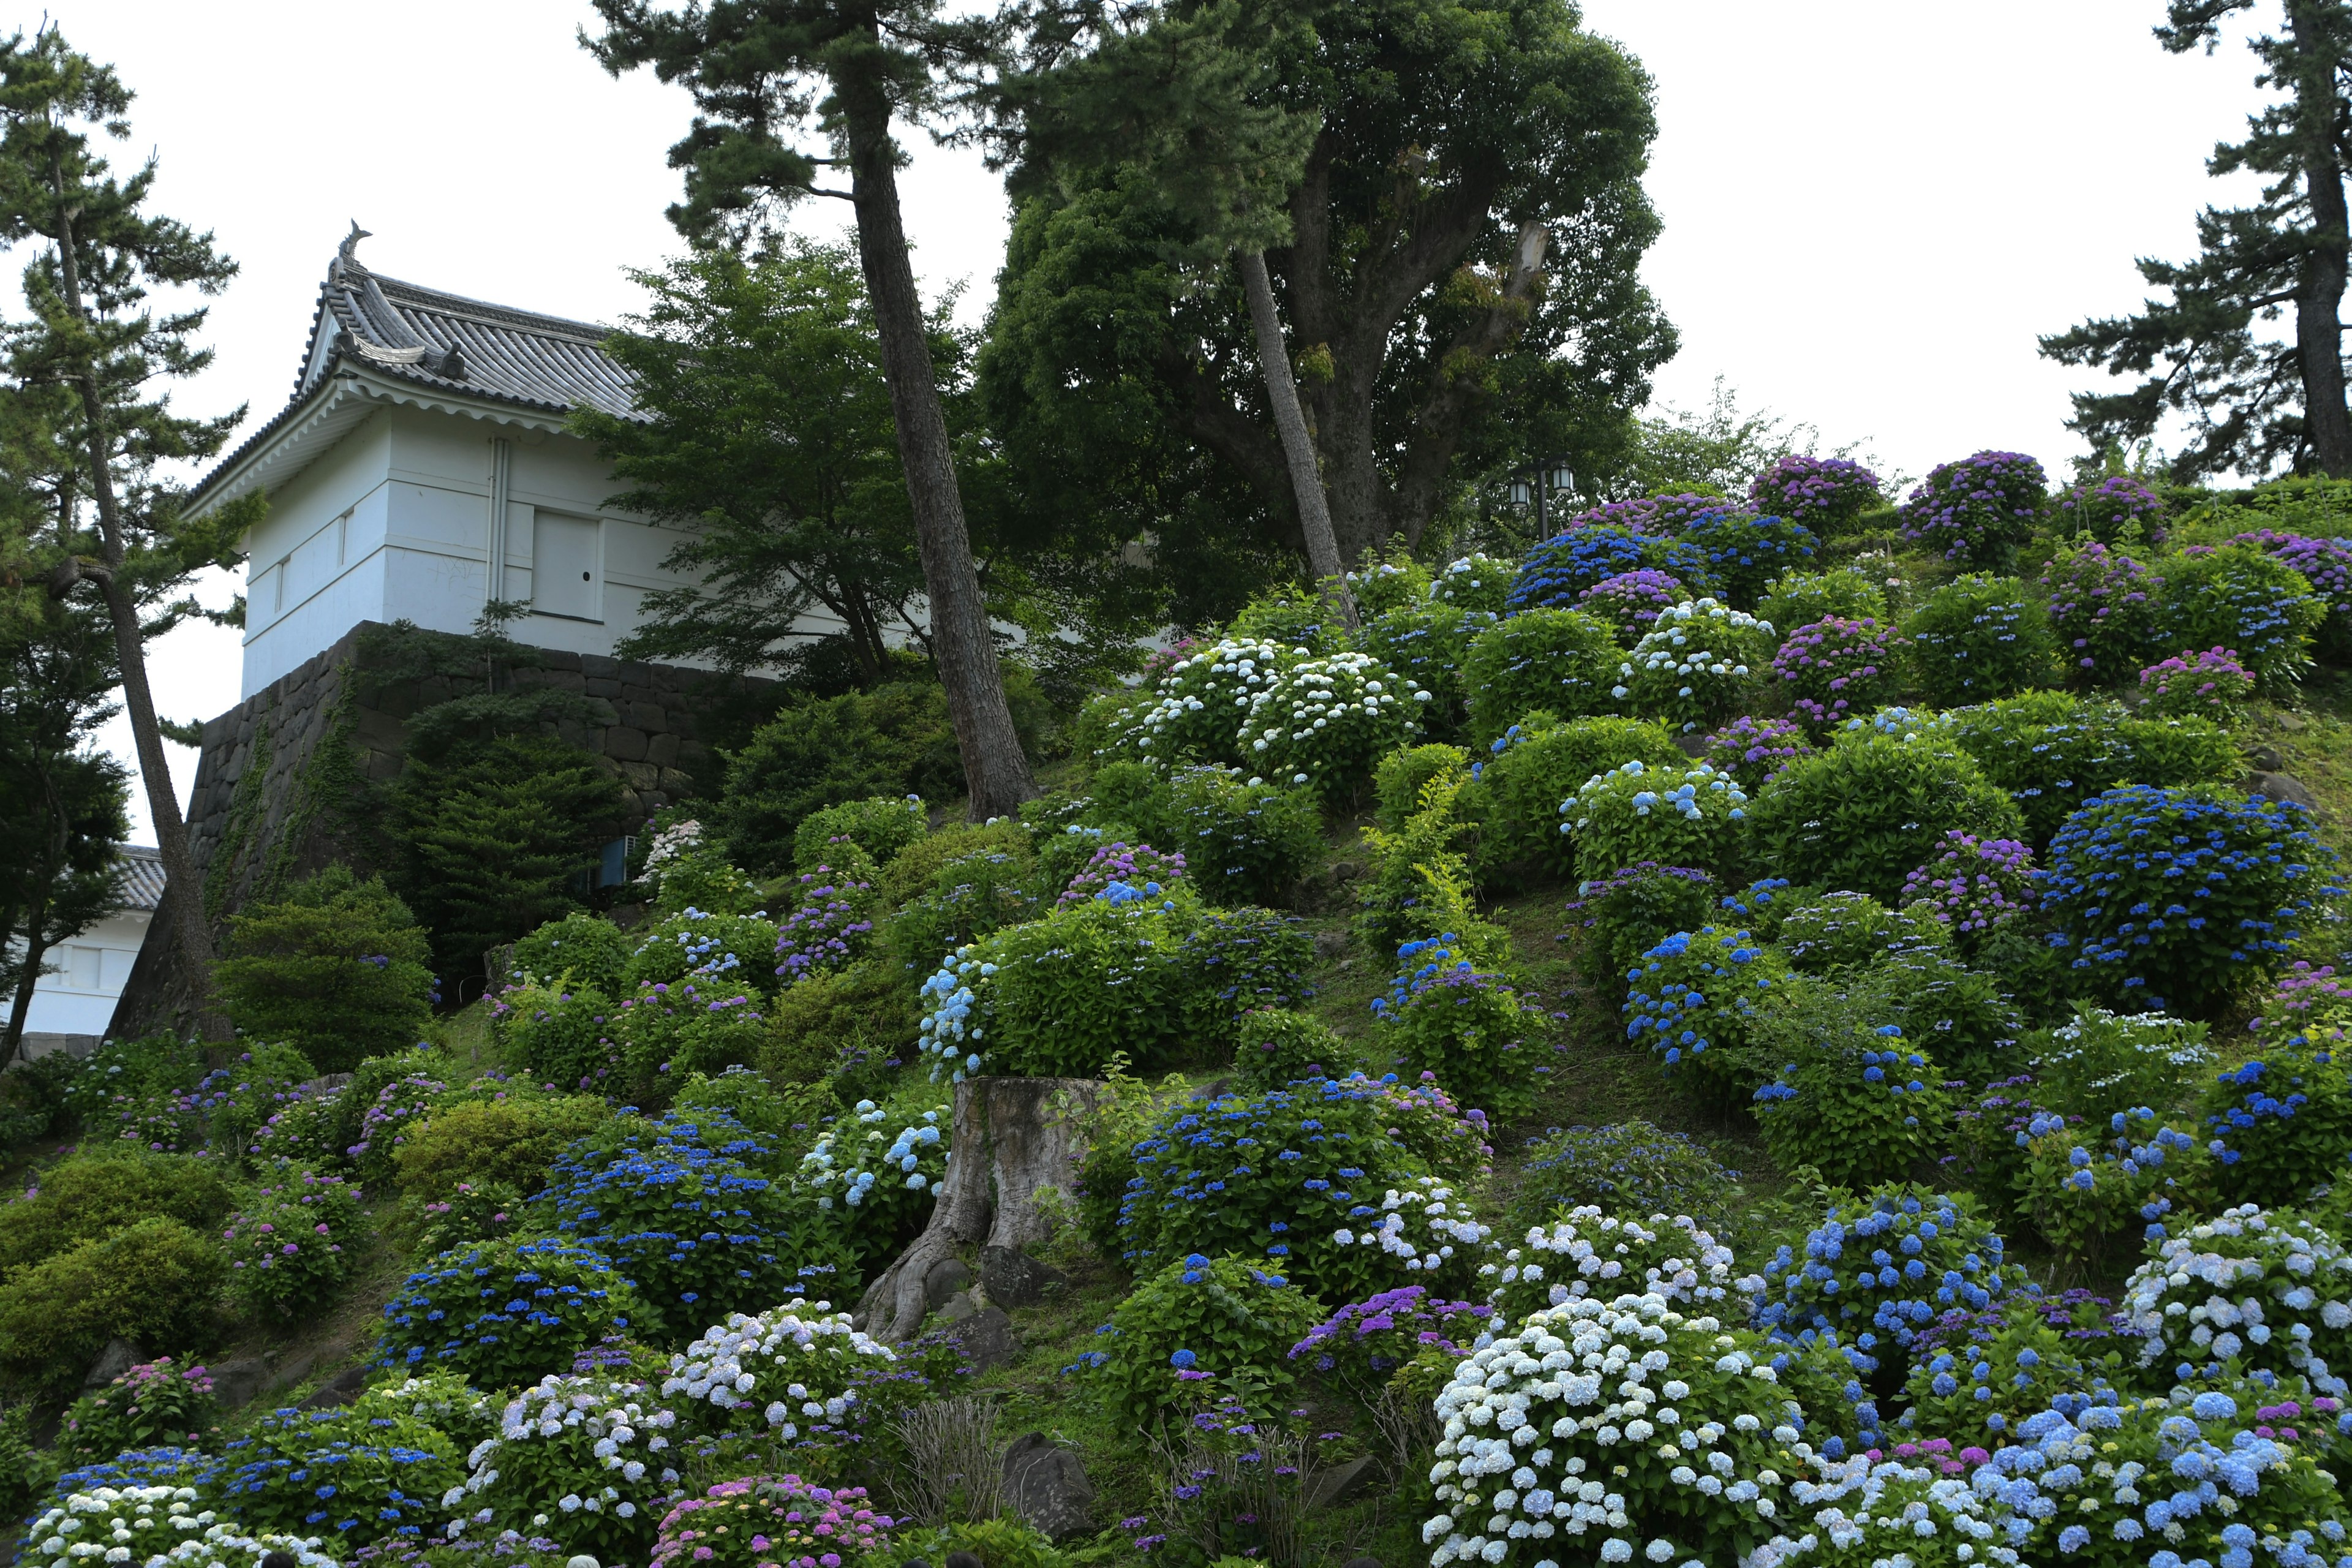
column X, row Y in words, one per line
column 1975, row 884
column 1825, row 494
column 1564, row 662
column 1696, row 666
column 1866, row 812
column 1659, row 516
column 1800, row 598
column 2202, row 903
column 781, row 1372
column 1450, row 1021
column 1744, row 553
column 877, row 1186
column 2209, row 685
column 1588, row 1252
column 586, row 1459
column 2238, row 597
column 2106, row 509
column 2268, row 1289
column 1138, row 866
column 504, row 1312
column 1625, row 1167
column 1556, row 571
column 2099, row 1065
column 2101, row 608
column 1619, row 918
column 1203, row 702
column 1752, row 750
column 2325, row 563
column 1195, row 1319
column 1859, row 1111
column 1690, row 816
column 2282, row 1123
column 772, row 1521
column 1694, row 1001
column 1322, row 724
column 1834, row 669
column 829, row 924
column 1630, row 600
column 286, row 1245
column 1365, row 1342
column 1478, row 583
column 1977, row 509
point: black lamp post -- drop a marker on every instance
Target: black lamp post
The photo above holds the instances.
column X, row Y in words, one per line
column 1538, row 481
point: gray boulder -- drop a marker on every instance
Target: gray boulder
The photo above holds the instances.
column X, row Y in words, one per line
column 1046, row 1484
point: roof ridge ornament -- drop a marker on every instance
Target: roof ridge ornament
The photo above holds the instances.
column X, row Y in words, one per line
column 346, row 254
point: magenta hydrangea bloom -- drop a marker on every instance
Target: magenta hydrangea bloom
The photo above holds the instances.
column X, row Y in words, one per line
column 1975, row 884
column 1631, row 600
column 2101, row 611
column 2211, row 684
column 1837, row 667
column 2101, row 509
column 1753, row 750
column 1819, row 492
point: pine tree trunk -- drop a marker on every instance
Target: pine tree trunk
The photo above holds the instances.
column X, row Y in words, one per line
column 1290, row 424
column 193, row 936
column 2318, row 304
column 1012, row 1136
column 995, row 772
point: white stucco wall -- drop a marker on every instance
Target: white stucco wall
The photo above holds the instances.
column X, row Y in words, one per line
column 92, row 968
column 393, row 522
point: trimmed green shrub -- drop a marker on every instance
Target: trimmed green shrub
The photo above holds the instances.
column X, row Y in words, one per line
column 1860, row 1107
column 152, row 1282
column 1221, row 1317
column 853, row 1020
column 2101, row 1064
column 1397, row 781
column 91, row 1198
column 587, row 953
column 2237, row 597
column 1562, row 661
column 1244, row 840
column 1863, row 813
column 2053, row 751
column 1840, row 929
column 285, row 1244
column 1802, row 598
column 337, row 969
column 1536, row 770
column 1275, row 1046
column 1978, row 637
column 1427, row 645
column 1624, row 1168
column 882, row 825
column 511, row 1138
column 1690, row 816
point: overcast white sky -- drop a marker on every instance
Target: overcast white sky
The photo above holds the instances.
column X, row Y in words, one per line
column 1870, row 210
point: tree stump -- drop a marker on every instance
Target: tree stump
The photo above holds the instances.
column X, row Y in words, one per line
column 1011, row 1137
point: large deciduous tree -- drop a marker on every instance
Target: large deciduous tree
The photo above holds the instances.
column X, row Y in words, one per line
column 1460, row 276
column 2209, row 352
column 768, row 77
column 100, row 255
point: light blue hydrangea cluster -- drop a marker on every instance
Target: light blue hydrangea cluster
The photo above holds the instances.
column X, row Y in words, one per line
column 950, row 1032
column 843, row 1164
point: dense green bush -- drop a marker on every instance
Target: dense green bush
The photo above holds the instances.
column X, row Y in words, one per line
column 1243, row 842
column 2280, row 1125
column 1322, row 724
column 1535, row 771
column 2053, row 751
column 1448, row 1021
column 513, row 1139
column 388, row 1474
column 285, row 1243
column 850, row 1021
column 882, row 825
column 1863, row 814
column 152, row 1282
column 1624, row 1168
column 993, row 883
column 2099, row 1064
column 1745, row 552
column 2238, row 597
column 88, row 1199
column 337, row 969
column 154, row 1404
column 1980, row 637
column 1562, row 661
column 1690, row 816
column 1276, row 1047
column 1694, row 1001
column 503, row 1312
column 1860, row 1109
column 580, row 949
column 1623, row 915
column 491, row 839
column 1427, row 644
column 1801, row 598
column 1218, row 1316
column 890, row 741
column 1397, row 782
column 2183, row 899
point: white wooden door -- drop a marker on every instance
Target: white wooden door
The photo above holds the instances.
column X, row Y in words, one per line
column 566, row 569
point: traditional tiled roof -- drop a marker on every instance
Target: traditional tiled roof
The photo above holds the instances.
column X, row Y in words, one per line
column 439, row 344
column 142, row 877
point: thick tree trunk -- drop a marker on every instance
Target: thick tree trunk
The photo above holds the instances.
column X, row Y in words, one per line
column 2318, row 304
column 21, row 1005
column 1011, row 1137
column 191, row 935
column 1290, row 423
column 995, row 772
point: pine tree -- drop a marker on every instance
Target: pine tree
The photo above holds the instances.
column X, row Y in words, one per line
column 91, row 333
column 765, row 75
column 2204, row 354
